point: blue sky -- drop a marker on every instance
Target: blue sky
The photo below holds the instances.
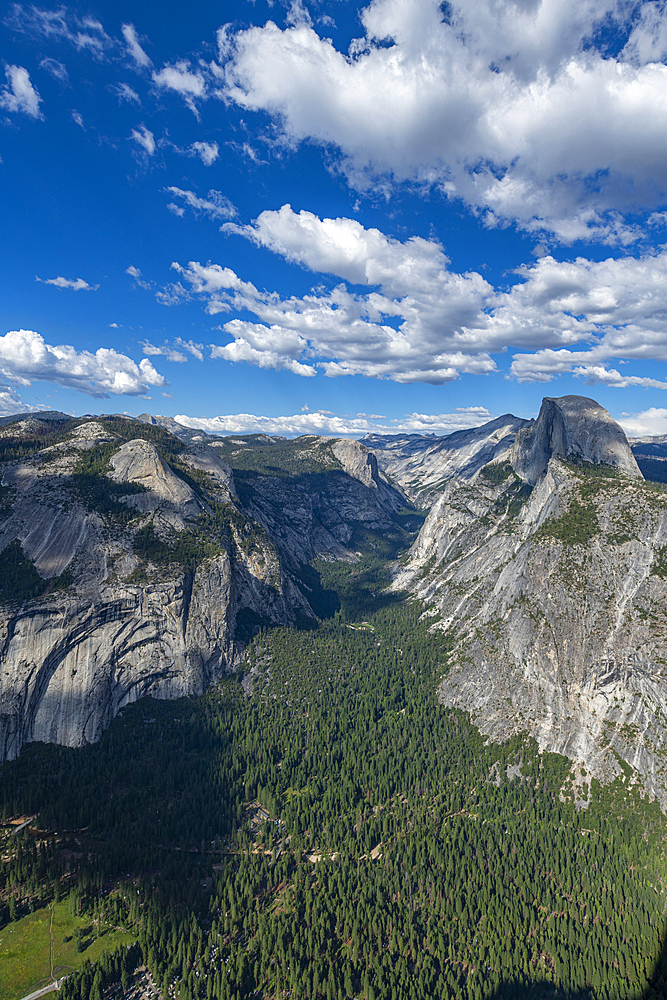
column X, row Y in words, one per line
column 334, row 218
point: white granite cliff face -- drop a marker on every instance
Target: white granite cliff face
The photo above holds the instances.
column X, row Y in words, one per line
column 120, row 620
column 556, row 603
column 70, row 662
column 422, row 463
column 573, row 427
column 120, row 627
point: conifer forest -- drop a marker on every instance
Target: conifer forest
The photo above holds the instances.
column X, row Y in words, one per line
column 318, row 826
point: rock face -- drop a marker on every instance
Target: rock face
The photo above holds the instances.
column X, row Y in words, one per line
column 154, row 574
column 70, row 662
column 422, row 463
column 573, row 427
column 554, row 598
column 334, row 489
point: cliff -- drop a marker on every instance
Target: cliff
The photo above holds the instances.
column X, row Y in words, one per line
column 573, row 427
column 129, row 565
column 554, row 599
column 420, row 464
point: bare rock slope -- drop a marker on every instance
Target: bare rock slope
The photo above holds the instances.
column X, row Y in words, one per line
column 129, row 566
column 420, row 464
column 554, row 596
column 573, row 427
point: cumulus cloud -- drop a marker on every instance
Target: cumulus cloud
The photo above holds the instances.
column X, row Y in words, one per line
column 18, row 94
column 11, row 402
column 133, row 47
column 619, row 307
column 400, row 313
column 75, row 284
column 328, row 424
column 508, row 106
column 207, row 152
column 215, row 205
column 145, row 138
column 648, row 423
column 422, row 323
column 25, row 356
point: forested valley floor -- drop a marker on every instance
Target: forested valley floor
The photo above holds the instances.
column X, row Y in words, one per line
column 317, row 826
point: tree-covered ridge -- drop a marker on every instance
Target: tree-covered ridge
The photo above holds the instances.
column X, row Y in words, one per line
column 402, row 857
column 302, row 456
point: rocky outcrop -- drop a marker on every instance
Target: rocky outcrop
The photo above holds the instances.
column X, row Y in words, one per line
column 572, row 427
column 555, row 603
column 70, row 662
column 139, row 462
column 155, row 590
column 422, row 463
column 362, row 465
column 221, row 478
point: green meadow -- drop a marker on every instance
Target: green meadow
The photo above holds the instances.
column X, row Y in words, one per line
column 25, row 946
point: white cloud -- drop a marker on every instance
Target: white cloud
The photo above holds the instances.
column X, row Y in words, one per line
column 599, row 375
column 423, row 324
column 414, row 320
column 174, row 352
column 18, row 94
column 75, row 284
column 208, row 152
column 328, row 424
column 25, row 356
column 133, row 46
column 78, row 118
column 180, row 78
column 11, row 402
column 507, row 106
column 125, row 93
column 145, row 138
column 196, row 350
column 165, row 351
column 345, row 248
column 57, row 69
column 648, row 423
column 618, row 306
column 135, row 273
column 215, row 205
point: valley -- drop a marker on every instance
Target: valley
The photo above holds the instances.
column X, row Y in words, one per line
column 298, row 726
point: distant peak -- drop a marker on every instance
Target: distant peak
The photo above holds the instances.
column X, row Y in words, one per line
column 572, row 427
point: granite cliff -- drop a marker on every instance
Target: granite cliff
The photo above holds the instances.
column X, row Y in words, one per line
column 572, row 427
column 421, row 464
column 129, row 565
column 552, row 586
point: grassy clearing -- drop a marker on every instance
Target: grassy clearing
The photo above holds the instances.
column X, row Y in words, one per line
column 25, row 960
